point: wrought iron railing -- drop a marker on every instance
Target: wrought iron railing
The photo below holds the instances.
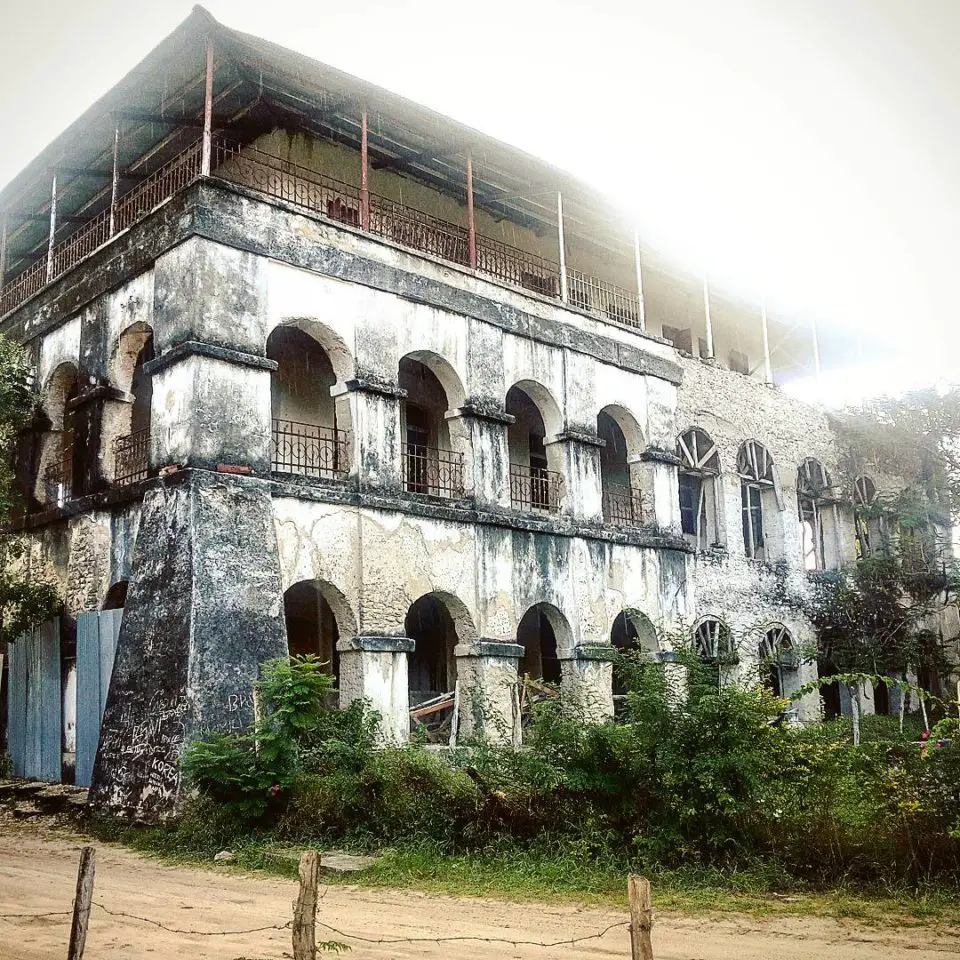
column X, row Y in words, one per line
column 437, row 472
column 131, row 457
column 534, row 488
column 309, row 450
column 599, row 296
column 58, row 478
column 273, row 176
column 622, row 505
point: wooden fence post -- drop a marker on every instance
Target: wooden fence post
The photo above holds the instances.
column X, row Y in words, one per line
column 305, row 909
column 641, row 918
column 81, row 903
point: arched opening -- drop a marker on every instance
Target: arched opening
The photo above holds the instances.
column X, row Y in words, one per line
column 58, row 458
column 713, row 645
column 757, row 499
column 307, row 439
column 312, row 626
column 813, row 482
column 869, row 521
column 127, row 425
column 116, row 598
column 881, row 698
column 430, row 465
column 537, row 633
column 622, row 497
column 535, row 484
column 632, row 632
column 697, row 480
column 432, row 667
column 778, row 661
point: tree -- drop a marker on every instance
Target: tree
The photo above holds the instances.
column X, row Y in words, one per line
column 25, row 600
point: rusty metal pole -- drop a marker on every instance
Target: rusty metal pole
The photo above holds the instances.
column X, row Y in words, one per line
column 563, row 251
column 115, row 179
column 364, row 171
column 471, row 223
column 3, row 250
column 53, row 227
column 636, row 258
column 767, row 365
column 708, row 319
column 207, row 114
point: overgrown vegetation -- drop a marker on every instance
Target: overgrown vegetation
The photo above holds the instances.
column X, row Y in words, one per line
column 709, row 781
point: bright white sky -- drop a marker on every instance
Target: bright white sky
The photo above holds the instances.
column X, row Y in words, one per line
column 803, row 151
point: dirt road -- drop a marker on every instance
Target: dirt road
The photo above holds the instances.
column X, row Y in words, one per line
column 38, row 873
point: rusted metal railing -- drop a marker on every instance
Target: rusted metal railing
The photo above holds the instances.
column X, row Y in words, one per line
column 58, row 479
column 600, row 296
column 437, row 472
column 534, row 488
column 160, row 185
column 622, row 505
column 308, row 450
column 418, row 230
column 518, row 267
column 131, row 457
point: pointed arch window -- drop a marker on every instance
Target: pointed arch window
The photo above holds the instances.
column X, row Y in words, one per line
column 869, row 523
column 698, row 481
column 778, row 661
column 713, row 646
column 813, row 483
column 755, row 467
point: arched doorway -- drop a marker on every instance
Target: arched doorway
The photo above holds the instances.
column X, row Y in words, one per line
column 432, row 667
column 312, row 627
column 622, row 497
column 535, row 483
column 130, row 447
column 537, row 633
column 57, row 469
column 307, row 440
column 632, row 632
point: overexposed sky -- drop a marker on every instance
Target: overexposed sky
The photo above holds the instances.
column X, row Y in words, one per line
column 807, row 151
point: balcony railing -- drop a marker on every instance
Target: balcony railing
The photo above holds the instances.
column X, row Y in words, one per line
column 275, row 177
column 622, row 505
column 436, row 472
column 131, row 458
column 533, row 488
column 308, row 450
column 599, row 296
column 58, row 479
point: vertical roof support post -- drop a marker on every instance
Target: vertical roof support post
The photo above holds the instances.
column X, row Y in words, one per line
column 642, row 314
column 364, row 172
column 207, row 113
column 563, row 250
column 115, row 179
column 816, row 350
column 53, row 227
column 3, row 250
column 471, row 221
column 767, row 366
column 707, row 317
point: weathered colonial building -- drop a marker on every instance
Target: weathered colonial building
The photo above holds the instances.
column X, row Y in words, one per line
column 324, row 372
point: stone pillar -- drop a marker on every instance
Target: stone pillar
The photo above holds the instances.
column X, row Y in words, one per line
column 482, row 435
column 370, row 412
column 661, row 487
column 577, row 456
column 586, row 687
column 374, row 669
column 211, row 406
column 204, row 611
column 488, row 691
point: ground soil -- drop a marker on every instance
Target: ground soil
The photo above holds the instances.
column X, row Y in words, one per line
column 38, row 875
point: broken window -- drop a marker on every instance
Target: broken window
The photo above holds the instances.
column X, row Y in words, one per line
column 680, row 337
column 813, row 482
column 755, row 467
column 699, row 502
column 713, row 647
column 778, row 661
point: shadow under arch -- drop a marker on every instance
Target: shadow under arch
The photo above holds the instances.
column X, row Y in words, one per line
column 436, row 622
column 340, row 355
column 445, row 373
column 317, row 615
column 541, row 397
column 543, row 632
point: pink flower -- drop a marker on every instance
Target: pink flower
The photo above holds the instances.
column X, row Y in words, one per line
column 275, row 789
column 925, row 735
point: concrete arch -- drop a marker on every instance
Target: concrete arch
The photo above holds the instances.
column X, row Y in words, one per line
column 436, row 622
column 317, row 616
column 633, row 630
column 444, row 371
column 60, row 388
column 629, row 427
column 545, row 403
column 338, row 352
column 545, row 634
column 131, row 344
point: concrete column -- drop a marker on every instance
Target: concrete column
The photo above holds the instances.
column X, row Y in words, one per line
column 577, row 458
column 203, row 613
column 586, row 687
column 482, row 435
column 374, row 669
column 660, row 486
column 372, row 411
column 488, row 691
